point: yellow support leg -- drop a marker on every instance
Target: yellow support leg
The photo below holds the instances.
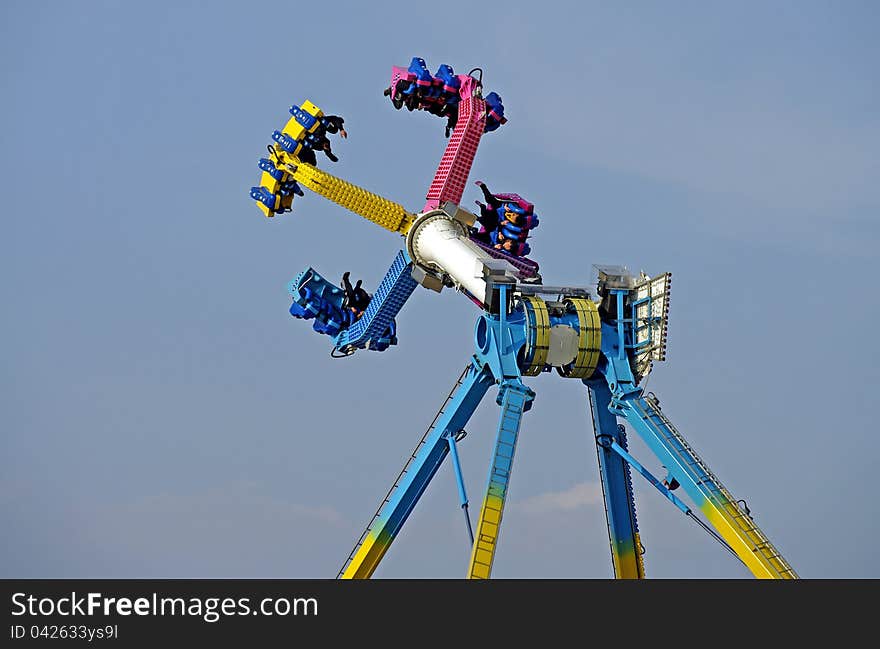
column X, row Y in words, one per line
column 513, row 403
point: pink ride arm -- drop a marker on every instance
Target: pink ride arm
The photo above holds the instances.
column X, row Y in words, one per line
column 455, row 165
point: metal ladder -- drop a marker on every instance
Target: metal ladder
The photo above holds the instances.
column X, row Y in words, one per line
column 403, row 472
column 489, row 525
column 601, row 479
column 634, row 521
column 717, row 492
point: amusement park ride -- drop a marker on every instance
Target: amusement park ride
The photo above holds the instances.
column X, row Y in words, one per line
column 525, row 327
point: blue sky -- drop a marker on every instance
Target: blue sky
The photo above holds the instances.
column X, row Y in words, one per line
column 163, row 416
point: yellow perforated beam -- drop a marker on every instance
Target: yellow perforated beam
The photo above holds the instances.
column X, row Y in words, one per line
column 372, row 207
column 589, row 339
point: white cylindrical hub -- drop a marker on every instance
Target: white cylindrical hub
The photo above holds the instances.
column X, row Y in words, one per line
column 438, row 242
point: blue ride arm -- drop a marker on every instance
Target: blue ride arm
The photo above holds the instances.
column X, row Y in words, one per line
column 386, row 303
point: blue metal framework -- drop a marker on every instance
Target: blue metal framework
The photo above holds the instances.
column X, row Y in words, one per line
column 506, row 344
column 620, row 507
column 610, row 346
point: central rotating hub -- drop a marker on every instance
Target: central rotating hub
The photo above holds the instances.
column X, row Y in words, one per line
column 442, row 252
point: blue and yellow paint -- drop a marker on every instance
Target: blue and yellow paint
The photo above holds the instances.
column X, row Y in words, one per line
column 274, row 194
column 710, row 497
column 423, row 464
column 514, row 399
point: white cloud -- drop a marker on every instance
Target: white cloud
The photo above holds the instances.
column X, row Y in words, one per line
column 583, row 494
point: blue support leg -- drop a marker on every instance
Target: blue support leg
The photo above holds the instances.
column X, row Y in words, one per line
column 514, row 399
column 620, row 511
column 414, row 479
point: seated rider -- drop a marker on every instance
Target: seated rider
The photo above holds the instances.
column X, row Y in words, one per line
column 332, row 124
column 508, row 245
column 502, row 243
column 489, row 212
column 438, row 94
column 505, row 225
column 356, row 298
column 452, row 119
column 512, row 219
column 307, row 155
column 497, row 214
column 515, row 222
